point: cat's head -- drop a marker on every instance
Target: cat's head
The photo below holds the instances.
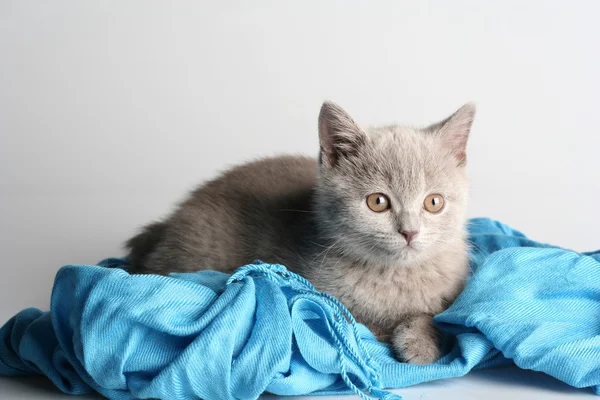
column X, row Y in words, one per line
column 392, row 195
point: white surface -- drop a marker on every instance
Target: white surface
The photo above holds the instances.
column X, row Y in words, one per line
column 110, row 111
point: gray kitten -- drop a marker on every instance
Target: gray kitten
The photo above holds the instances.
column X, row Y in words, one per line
column 379, row 221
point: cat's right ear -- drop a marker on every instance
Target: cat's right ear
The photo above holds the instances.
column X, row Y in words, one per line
column 339, row 135
column 454, row 132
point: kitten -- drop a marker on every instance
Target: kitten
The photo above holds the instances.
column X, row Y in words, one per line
column 379, row 221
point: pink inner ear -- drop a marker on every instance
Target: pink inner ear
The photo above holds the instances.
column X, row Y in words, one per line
column 457, row 145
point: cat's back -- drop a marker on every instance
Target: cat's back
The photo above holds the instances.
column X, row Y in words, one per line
column 256, row 210
column 264, row 178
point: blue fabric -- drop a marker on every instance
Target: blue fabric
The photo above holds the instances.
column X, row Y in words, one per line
column 211, row 335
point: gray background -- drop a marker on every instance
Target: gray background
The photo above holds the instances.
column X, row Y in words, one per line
column 110, row 111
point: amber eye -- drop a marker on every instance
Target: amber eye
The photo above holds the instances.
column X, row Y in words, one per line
column 378, row 202
column 434, row 203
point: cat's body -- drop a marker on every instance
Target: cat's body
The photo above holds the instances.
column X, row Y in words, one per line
column 394, row 268
column 258, row 210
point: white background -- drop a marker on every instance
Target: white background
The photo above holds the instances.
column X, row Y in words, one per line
column 110, row 111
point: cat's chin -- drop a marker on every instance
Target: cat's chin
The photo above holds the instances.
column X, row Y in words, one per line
column 404, row 257
column 409, row 257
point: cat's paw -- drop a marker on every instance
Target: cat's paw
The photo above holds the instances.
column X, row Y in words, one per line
column 416, row 340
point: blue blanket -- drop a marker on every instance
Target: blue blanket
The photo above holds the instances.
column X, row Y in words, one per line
column 212, row 335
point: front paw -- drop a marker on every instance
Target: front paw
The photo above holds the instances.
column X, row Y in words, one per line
column 416, row 340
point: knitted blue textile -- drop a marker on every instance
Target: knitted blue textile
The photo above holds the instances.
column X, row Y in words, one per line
column 211, row 335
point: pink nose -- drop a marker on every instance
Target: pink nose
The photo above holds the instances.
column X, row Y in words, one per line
column 409, row 235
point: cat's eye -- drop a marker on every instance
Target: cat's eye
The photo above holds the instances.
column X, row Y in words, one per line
column 378, row 202
column 434, row 203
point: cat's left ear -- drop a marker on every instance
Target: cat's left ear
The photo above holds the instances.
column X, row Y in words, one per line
column 339, row 136
column 454, row 132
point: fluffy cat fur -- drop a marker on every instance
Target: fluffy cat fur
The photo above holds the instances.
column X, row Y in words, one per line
column 312, row 216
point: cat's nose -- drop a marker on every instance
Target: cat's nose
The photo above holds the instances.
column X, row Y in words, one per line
column 409, row 235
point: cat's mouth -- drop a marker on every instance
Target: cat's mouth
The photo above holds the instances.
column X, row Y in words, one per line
column 405, row 252
column 386, row 251
column 409, row 250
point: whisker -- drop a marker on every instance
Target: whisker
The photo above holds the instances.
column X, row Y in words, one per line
column 300, row 211
column 327, row 248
